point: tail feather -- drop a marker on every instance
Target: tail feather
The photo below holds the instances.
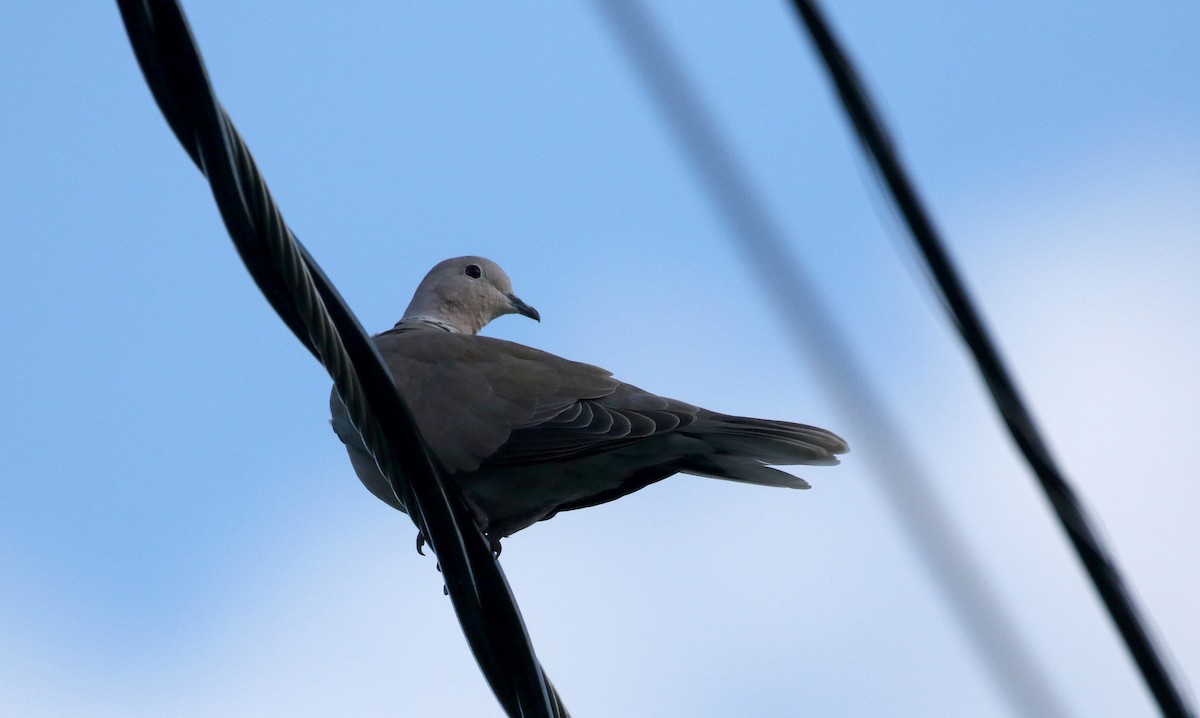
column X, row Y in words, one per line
column 770, row 441
column 743, row 446
column 738, row 468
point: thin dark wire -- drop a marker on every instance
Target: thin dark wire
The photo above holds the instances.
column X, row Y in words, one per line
column 310, row 305
column 1071, row 514
column 815, row 334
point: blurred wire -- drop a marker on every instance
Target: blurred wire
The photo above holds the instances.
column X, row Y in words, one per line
column 945, row 280
column 310, row 305
column 814, row 333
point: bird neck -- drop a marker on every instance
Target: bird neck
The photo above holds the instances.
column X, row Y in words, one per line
column 422, row 321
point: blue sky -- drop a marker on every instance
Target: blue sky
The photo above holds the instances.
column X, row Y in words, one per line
column 180, row 531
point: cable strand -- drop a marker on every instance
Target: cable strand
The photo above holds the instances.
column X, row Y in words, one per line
column 815, row 334
column 311, row 307
column 1096, row 558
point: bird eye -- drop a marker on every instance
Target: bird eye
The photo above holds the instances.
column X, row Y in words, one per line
column 473, row 271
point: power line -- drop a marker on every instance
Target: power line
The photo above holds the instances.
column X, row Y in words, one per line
column 1100, row 564
column 309, row 304
column 814, row 333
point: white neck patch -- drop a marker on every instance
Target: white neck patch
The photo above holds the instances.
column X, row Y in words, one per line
column 428, row 321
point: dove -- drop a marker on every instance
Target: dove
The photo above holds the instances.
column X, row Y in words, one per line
column 524, row 434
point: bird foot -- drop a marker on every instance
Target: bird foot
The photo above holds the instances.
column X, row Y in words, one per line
column 493, row 543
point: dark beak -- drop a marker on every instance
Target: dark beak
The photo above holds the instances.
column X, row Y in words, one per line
column 523, row 309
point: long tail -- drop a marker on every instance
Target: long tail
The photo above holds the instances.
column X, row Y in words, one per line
column 742, row 448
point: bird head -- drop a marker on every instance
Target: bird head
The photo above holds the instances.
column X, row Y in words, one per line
column 466, row 293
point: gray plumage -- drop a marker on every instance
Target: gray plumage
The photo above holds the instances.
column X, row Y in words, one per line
column 525, row 434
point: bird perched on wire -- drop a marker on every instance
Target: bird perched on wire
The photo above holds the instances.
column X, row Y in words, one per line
column 525, row 434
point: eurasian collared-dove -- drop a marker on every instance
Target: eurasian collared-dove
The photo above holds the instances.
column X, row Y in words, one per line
column 525, row 434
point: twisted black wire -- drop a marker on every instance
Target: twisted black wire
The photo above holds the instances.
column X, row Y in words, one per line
column 1101, row 567
column 311, row 307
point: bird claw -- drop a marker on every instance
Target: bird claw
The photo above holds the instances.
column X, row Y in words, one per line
column 493, row 544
